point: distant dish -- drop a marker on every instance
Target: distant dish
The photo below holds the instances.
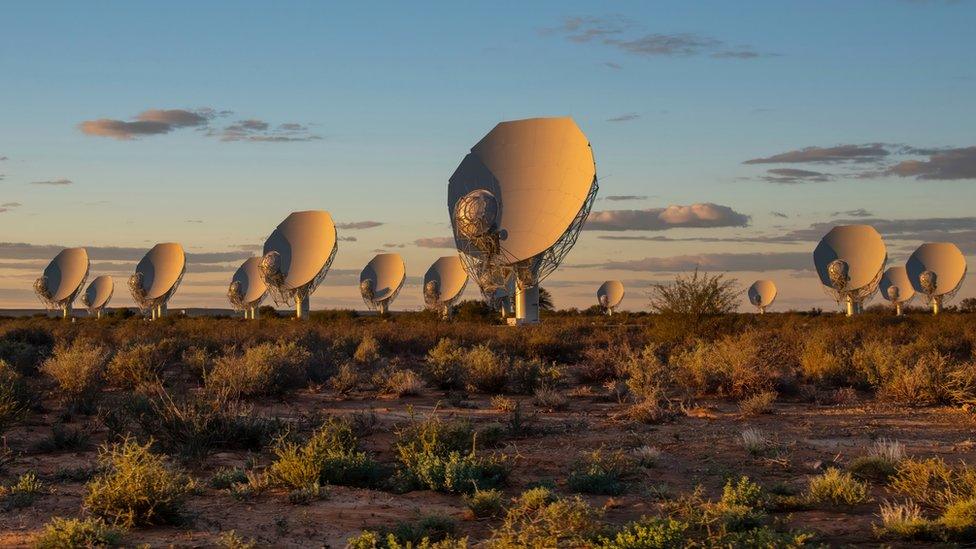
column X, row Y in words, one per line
column 517, row 203
column 936, row 270
column 157, row 277
column 62, row 279
column 247, row 288
column 762, row 293
column 381, row 280
column 609, row 295
column 896, row 287
column 849, row 260
column 444, row 283
column 297, row 256
column 98, row 294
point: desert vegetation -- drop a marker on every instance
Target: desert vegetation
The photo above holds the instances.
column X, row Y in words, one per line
column 665, row 429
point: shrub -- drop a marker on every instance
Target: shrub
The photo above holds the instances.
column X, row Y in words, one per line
column 15, row 396
column 402, row 383
column 368, row 351
column 837, row 487
column 231, row 540
column 933, row 483
column 484, row 370
column 755, row 441
column 959, row 520
column 329, row 456
column 550, row 398
column 63, row 438
column 745, row 493
column 373, row 540
column 540, row 519
column 646, row 456
column 599, row 472
column 881, row 462
column 826, row 356
column 738, row 365
column 25, row 349
column 22, row 494
column 136, row 365
column 761, row 403
column 443, row 365
column 649, row 533
column 904, row 521
column 79, row 371
column 484, row 503
column 63, row 533
column 137, row 488
column 227, row 477
column 924, row 383
column 345, row 380
column 265, row 369
column 432, row 528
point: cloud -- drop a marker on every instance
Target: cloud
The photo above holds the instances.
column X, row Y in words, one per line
column 773, row 261
column 624, row 117
column 348, row 239
column 393, row 245
column 778, row 214
column 256, row 130
column 841, row 153
column 148, row 122
column 25, row 251
column 622, row 197
column 860, row 212
column 353, row 225
column 2, row 158
column 612, row 65
column 194, row 221
column 617, row 32
column 948, row 164
column 54, row 182
column 703, row 215
column 792, row 175
column 11, row 205
column 435, row 242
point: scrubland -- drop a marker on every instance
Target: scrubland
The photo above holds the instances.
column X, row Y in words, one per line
column 631, row 431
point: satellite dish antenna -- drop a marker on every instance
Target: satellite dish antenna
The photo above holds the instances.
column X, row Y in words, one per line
column 157, row 277
column 517, row 203
column 444, row 283
column 609, row 295
column 62, row 279
column 297, row 256
column 849, row 260
column 98, row 294
column 381, row 280
column 936, row 270
column 247, row 288
column 896, row 287
column 762, row 293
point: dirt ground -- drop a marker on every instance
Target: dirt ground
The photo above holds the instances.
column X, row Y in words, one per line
column 702, row 447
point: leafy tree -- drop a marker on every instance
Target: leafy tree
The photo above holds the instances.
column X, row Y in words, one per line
column 968, row 305
column 698, row 295
column 545, row 300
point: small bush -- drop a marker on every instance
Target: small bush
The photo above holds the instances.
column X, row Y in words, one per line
column 136, row 365
column 22, row 494
column 231, row 540
column 330, row 456
column 837, row 487
column 649, row 533
column 345, row 380
column 228, row 477
column 599, row 472
column 959, row 520
column 647, row 456
column 755, row 441
column 15, row 396
column 904, row 521
column 484, row 503
column 403, row 383
column 540, row 519
column 761, row 403
column 443, row 365
column 368, row 351
column 934, row 483
column 63, row 438
column 881, row 463
column 484, row 370
column 63, row 533
column 79, row 371
column 265, row 369
column 550, row 398
column 24, row 349
column 138, row 487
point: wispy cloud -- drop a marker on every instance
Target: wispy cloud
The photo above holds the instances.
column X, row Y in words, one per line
column 624, row 117
column 860, row 212
column 162, row 121
column 778, row 214
column 256, row 130
column 623, row 197
column 352, row 225
column 942, row 165
column 54, row 182
column 11, row 205
column 788, row 176
column 702, row 215
column 23, row 251
column 840, row 153
column 773, row 261
column 435, row 242
column 626, row 35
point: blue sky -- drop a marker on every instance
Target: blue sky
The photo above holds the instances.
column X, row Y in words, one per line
column 390, row 96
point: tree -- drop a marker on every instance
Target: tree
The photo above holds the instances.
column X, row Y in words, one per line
column 545, row 300
column 697, row 295
column 968, row 305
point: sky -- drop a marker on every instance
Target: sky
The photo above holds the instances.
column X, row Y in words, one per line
column 728, row 136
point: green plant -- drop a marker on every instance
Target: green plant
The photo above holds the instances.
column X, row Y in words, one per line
column 345, row 380
column 231, row 540
column 63, row 438
column 228, row 476
column 484, row 503
column 63, row 533
column 484, row 370
column 329, row 456
column 15, row 396
column 79, row 371
column 932, row 482
column 904, row 521
column 265, row 369
column 881, row 462
column 22, row 494
column 402, row 383
column 368, row 351
column 550, row 398
column 649, row 533
column 136, row 365
column 959, row 520
column 837, row 487
column 443, row 364
column 761, row 403
column 539, row 519
column 137, row 488
column 599, row 472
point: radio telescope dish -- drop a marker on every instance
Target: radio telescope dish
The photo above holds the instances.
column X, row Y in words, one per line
column 98, row 294
column 444, row 283
column 381, row 280
column 517, row 203
column 849, row 260
column 762, row 293
column 297, row 256
column 896, row 287
column 936, row 270
column 609, row 295
column 247, row 288
column 62, row 279
column 157, row 277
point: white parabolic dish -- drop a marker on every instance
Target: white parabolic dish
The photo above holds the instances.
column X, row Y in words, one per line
column 540, row 171
column 449, row 275
column 306, row 244
column 942, row 258
column 762, row 293
column 162, row 269
column 860, row 246
column 99, row 292
column 66, row 273
column 897, row 277
column 386, row 273
column 251, row 284
column 614, row 292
